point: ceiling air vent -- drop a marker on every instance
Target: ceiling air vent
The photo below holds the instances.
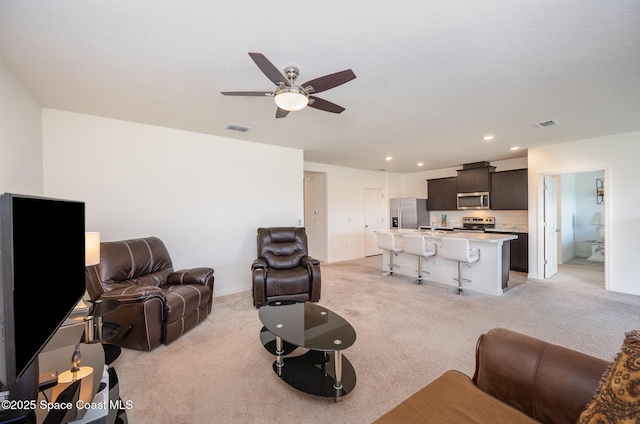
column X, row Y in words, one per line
column 236, row 127
column 545, row 124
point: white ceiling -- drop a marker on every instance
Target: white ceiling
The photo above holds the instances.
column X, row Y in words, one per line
column 433, row 77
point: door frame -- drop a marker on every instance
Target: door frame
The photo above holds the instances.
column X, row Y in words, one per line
column 315, row 214
column 540, row 218
column 370, row 232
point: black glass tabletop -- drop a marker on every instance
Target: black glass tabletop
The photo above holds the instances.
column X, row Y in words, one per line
column 307, row 325
column 102, row 307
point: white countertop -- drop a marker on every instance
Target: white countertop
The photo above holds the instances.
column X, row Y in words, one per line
column 479, row 237
column 510, row 228
column 504, row 228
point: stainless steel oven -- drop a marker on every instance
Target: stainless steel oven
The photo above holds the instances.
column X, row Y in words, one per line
column 478, row 200
column 476, row 224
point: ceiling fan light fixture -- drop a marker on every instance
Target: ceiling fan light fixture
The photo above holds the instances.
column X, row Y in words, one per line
column 291, row 98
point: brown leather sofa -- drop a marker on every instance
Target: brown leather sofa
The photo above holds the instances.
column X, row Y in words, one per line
column 283, row 269
column 518, row 379
column 157, row 304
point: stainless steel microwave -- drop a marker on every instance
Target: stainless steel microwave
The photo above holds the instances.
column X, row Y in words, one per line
column 478, row 200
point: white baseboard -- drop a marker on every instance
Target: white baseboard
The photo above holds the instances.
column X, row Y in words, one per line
column 217, row 293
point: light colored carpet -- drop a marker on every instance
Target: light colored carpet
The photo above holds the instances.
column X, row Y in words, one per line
column 407, row 336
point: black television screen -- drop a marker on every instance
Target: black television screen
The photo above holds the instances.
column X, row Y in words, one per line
column 43, row 274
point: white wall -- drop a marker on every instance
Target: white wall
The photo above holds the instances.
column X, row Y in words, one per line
column 20, row 138
column 205, row 196
column 618, row 156
column 345, row 208
column 398, row 188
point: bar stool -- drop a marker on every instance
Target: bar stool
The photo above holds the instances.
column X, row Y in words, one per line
column 392, row 243
column 417, row 245
column 457, row 249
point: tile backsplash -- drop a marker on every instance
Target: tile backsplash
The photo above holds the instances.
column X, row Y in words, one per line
column 505, row 220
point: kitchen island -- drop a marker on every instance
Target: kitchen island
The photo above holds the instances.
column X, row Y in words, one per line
column 489, row 275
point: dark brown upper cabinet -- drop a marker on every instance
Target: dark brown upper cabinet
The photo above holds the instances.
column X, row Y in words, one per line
column 475, row 178
column 509, row 190
column 442, row 194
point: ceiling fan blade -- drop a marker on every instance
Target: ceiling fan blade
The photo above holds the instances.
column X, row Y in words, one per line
column 329, row 81
column 281, row 113
column 327, row 106
column 268, row 69
column 247, row 93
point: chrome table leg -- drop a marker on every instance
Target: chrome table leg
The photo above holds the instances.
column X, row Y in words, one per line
column 279, row 352
column 338, row 372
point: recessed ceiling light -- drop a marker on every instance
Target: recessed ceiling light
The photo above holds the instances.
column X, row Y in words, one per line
column 388, row 158
column 420, row 164
column 487, row 137
column 514, row 148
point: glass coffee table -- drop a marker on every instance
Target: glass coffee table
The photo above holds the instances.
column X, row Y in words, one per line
column 323, row 370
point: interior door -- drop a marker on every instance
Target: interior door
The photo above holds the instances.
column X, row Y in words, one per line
column 550, row 227
column 373, row 219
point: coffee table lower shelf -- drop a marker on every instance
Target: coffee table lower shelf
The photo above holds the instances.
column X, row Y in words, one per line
column 313, row 373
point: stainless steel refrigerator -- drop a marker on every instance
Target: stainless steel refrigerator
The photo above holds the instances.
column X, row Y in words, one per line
column 409, row 212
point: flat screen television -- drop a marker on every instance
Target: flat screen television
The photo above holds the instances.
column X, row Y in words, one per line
column 43, row 275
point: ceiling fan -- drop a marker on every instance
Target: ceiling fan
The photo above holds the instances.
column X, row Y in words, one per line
column 290, row 97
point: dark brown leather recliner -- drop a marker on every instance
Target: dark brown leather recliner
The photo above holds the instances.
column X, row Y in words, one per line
column 157, row 305
column 283, row 269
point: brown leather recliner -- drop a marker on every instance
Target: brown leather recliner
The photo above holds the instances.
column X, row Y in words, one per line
column 283, row 269
column 157, row 305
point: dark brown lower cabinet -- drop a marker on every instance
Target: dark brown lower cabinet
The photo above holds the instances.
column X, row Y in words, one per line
column 520, row 253
column 506, row 253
